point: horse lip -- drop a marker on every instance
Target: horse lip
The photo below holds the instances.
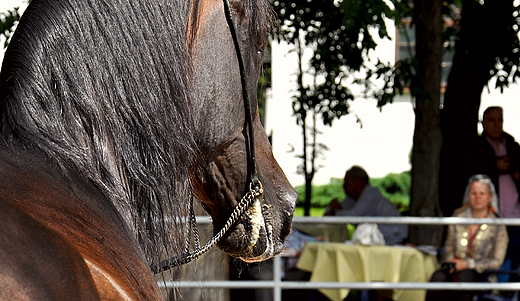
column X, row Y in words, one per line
column 264, row 222
column 256, row 218
column 258, row 215
column 261, row 220
column 257, row 239
column 256, row 259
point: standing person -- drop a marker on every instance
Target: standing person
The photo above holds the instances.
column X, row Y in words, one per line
column 472, row 249
column 365, row 200
column 500, row 160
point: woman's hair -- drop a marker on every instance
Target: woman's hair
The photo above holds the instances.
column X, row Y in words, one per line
column 486, row 180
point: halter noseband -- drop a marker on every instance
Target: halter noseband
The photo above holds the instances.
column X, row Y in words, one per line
column 255, row 186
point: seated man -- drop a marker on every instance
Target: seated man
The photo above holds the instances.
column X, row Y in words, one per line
column 365, row 200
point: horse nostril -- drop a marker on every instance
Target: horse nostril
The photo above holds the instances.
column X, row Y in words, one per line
column 292, row 196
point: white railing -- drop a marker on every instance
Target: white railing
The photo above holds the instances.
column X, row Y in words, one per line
column 410, row 220
column 278, row 285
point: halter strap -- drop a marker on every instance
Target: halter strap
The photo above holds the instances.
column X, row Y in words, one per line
column 245, row 95
column 255, row 186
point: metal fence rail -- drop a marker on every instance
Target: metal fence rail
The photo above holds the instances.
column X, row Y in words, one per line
column 410, row 220
column 262, row 284
column 278, row 285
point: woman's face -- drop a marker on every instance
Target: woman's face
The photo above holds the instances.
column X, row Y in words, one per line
column 479, row 196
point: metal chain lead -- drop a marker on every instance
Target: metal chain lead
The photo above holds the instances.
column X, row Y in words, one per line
column 254, row 192
column 193, row 229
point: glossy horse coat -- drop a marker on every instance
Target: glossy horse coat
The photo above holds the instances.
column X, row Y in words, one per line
column 113, row 116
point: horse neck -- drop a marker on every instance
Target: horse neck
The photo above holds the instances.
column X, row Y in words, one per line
column 81, row 214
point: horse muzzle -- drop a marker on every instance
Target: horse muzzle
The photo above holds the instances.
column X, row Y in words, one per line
column 261, row 232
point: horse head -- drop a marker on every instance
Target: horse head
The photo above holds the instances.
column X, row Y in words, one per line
column 142, row 100
column 222, row 127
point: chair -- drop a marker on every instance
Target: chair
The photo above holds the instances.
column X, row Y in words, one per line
column 490, row 297
column 510, row 295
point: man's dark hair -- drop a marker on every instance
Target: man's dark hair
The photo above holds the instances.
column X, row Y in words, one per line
column 489, row 109
column 358, row 172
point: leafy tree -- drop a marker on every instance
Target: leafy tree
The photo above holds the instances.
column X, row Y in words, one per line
column 8, row 21
column 483, row 51
column 421, row 75
column 338, row 34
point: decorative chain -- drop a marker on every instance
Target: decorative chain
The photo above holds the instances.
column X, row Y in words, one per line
column 255, row 191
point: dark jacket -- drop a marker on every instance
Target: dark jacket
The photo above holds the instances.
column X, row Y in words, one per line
column 487, row 159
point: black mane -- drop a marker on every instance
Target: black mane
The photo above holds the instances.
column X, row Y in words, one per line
column 100, row 88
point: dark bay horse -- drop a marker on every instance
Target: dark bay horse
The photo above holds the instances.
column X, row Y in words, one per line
column 113, row 116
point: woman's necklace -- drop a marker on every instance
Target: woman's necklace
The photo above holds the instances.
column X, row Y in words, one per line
column 469, row 241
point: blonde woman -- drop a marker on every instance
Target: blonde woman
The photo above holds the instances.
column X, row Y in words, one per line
column 472, row 249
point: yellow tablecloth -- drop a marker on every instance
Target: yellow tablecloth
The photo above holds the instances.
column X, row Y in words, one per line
column 339, row 262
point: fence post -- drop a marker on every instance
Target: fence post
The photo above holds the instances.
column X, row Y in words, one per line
column 277, row 277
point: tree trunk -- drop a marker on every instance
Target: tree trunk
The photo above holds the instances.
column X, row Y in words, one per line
column 308, row 195
column 309, row 159
column 308, row 177
column 480, row 43
column 427, row 140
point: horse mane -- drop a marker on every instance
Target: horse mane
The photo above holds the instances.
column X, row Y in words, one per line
column 100, row 88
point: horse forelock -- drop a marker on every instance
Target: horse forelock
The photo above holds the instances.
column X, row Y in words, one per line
column 256, row 17
column 262, row 15
column 100, row 88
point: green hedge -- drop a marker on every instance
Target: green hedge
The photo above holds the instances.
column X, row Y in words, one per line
column 396, row 187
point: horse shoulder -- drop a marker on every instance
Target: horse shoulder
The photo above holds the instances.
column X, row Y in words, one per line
column 36, row 263
column 83, row 221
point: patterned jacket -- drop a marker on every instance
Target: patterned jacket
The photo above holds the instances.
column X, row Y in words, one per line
column 489, row 245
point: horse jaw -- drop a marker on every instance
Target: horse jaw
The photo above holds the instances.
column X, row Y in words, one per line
column 259, row 233
column 262, row 230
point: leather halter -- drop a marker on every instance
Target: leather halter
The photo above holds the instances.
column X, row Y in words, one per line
column 255, row 186
column 252, row 176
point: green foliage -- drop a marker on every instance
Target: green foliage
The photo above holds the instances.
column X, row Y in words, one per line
column 338, row 34
column 395, row 187
column 322, row 194
column 397, row 78
column 315, row 211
